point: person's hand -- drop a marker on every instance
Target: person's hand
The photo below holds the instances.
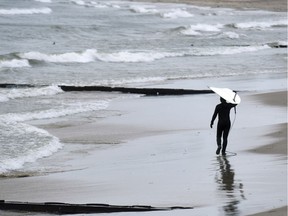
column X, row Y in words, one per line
column 211, row 125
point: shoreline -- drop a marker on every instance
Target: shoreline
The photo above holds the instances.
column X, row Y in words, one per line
column 279, row 146
column 276, row 6
column 129, row 157
column 273, row 212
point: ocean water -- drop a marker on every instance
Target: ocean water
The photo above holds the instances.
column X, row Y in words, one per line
column 46, row 43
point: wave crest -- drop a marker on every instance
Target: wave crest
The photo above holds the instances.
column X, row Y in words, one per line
column 259, row 25
column 177, row 13
column 14, row 63
column 9, row 94
column 91, row 55
column 84, row 57
column 28, row 11
column 198, row 29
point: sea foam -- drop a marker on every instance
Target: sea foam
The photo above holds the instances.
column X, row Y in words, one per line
column 44, row 1
column 92, row 55
column 133, row 57
column 66, row 110
column 88, row 55
column 24, row 143
column 199, row 28
column 176, row 13
column 260, row 25
column 14, row 63
column 9, row 94
column 21, row 11
column 142, row 9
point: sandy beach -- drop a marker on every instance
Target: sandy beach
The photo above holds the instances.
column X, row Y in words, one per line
column 145, row 154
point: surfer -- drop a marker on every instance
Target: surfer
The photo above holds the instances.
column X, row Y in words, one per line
column 224, row 124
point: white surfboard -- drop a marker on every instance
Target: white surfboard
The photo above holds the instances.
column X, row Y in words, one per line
column 226, row 93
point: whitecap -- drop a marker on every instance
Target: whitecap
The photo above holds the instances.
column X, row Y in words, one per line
column 14, row 63
column 142, row 9
column 231, row 35
column 44, row 1
column 94, row 4
column 9, row 94
column 83, row 57
column 28, row 11
column 79, row 2
column 132, row 57
column 228, row 50
column 32, row 144
column 66, row 110
column 92, row 55
column 260, row 25
column 177, row 13
column 199, row 28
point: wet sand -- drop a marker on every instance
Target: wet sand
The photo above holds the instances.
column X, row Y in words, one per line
column 160, row 151
column 274, row 212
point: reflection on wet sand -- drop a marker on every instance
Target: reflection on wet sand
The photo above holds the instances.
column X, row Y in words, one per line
column 225, row 179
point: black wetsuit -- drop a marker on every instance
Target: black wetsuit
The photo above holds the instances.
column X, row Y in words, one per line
column 224, row 124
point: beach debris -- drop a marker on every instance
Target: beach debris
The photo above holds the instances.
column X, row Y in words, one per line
column 131, row 90
column 66, row 208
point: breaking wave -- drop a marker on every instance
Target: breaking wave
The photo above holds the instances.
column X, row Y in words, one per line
column 9, row 94
column 176, row 13
column 92, row 55
column 44, row 1
column 14, row 63
column 259, row 25
column 27, row 143
column 143, row 10
column 31, row 144
column 95, row 4
column 28, row 11
column 198, row 29
column 54, row 113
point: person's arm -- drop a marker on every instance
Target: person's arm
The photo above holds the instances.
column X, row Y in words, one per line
column 214, row 116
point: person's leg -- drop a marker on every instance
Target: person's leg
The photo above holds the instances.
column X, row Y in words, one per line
column 218, row 136
column 225, row 138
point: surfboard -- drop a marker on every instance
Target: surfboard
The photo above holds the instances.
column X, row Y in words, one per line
column 229, row 95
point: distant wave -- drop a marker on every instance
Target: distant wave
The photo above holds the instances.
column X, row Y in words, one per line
column 259, row 25
column 138, row 8
column 21, row 11
column 142, row 9
column 14, row 63
column 198, row 29
column 170, row 14
column 44, row 1
column 92, row 55
column 81, row 57
column 133, row 57
column 176, row 13
column 231, row 35
column 9, row 94
column 95, row 4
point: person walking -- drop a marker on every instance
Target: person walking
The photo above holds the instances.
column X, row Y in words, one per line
column 222, row 110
